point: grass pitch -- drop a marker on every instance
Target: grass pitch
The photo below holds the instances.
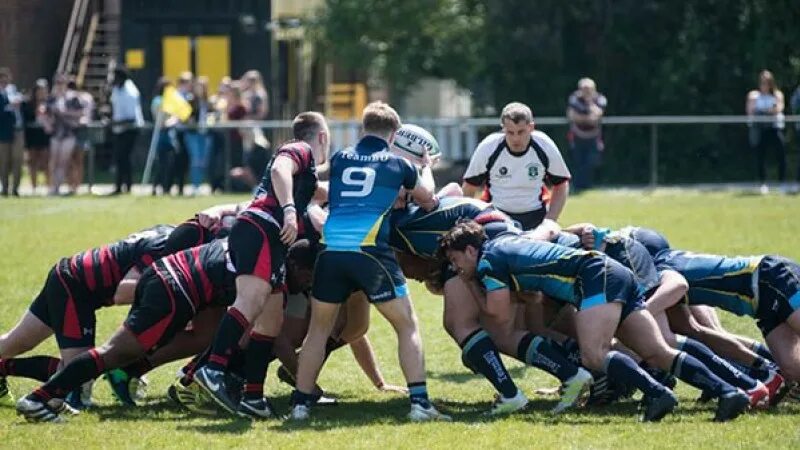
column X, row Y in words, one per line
column 34, row 233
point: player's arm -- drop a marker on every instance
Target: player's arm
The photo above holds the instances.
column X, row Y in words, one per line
column 545, row 231
column 557, row 176
column 558, row 199
column 317, row 215
column 477, row 174
column 671, row 289
column 412, row 182
column 365, row 357
column 283, row 168
column 127, row 287
column 210, row 217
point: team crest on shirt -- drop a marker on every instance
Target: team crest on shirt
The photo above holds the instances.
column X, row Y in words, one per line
column 533, row 171
column 503, row 172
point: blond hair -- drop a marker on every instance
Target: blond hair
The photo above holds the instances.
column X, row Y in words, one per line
column 380, row 119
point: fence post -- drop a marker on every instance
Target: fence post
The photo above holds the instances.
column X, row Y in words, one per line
column 653, row 155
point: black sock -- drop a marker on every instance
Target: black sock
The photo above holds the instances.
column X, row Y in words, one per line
column 540, row 352
column 482, row 355
column 333, row 344
column 715, row 364
column 138, row 368
column 87, row 366
column 191, row 367
column 37, row 367
column 418, row 393
column 687, row 368
column 258, row 355
column 230, row 332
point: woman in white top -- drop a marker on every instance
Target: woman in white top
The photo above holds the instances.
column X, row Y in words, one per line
column 767, row 101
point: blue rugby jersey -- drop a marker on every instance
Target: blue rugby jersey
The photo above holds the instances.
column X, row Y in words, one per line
column 365, row 181
column 719, row 281
column 524, row 265
column 417, row 232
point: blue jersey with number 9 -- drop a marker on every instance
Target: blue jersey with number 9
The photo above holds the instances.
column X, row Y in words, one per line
column 364, row 184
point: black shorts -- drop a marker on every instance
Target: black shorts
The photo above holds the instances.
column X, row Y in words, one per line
column 778, row 292
column 653, row 241
column 67, row 309
column 160, row 310
column 337, row 274
column 529, row 220
column 603, row 280
column 256, row 249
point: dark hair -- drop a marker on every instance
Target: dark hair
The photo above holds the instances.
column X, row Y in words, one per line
column 516, row 112
column 302, row 255
column 464, row 234
column 307, row 124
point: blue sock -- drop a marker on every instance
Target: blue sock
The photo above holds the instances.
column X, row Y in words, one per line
column 418, row 392
column 752, row 372
column 763, row 351
column 480, row 354
column 687, row 368
column 541, row 353
column 715, row 364
column 623, row 369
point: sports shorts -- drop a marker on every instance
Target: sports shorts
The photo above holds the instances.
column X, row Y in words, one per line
column 67, row 308
column 256, row 249
column 337, row 274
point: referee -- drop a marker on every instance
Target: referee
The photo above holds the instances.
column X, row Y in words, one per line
column 516, row 166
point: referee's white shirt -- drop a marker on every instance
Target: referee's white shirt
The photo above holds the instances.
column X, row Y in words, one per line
column 516, row 182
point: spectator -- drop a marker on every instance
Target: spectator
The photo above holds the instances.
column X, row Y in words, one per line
column 67, row 109
column 10, row 120
column 242, row 174
column 514, row 166
column 126, row 120
column 180, row 162
column 38, row 126
column 217, row 164
column 82, row 139
column 767, row 101
column 795, row 105
column 585, row 109
column 167, row 143
column 197, row 139
column 255, row 99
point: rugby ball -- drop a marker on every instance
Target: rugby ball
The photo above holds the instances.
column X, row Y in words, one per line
column 413, row 142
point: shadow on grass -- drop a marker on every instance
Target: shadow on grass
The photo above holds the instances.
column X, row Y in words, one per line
column 465, row 376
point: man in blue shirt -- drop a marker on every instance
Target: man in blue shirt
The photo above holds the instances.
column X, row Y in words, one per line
column 605, row 294
column 365, row 182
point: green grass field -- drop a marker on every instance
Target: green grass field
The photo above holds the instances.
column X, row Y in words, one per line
column 34, row 233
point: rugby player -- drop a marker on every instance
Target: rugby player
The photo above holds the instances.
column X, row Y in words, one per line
column 605, row 294
column 258, row 242
column 415, row 236
column 75, row 288
column 365, row 182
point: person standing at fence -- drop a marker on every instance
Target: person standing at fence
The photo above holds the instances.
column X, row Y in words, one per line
column 83, row 140
column 767, row 101
column 126, row 120
column 10, row 151
column 218, row 103
column 515, row 165
column 585, row 109
column 180, row 163
column 66, row 108
column 37, row 126
column 197, row 138
column 166, row 144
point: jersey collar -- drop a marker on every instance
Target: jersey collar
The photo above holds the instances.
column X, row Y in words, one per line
column 518, row 155
column 371, row 144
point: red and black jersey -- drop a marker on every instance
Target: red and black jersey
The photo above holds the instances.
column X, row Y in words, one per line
column 99, row 270
column 203, row 275
column 191, row 234
column 304, row 181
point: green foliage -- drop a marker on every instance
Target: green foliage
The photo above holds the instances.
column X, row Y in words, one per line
column 34, row 233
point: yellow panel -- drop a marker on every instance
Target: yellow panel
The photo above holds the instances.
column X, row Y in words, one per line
column 176, row 56
column 134, row 58
column 213, row 59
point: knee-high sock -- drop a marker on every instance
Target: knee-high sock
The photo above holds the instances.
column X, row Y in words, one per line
column 87, row 366
column 258, row 355
column 139, row 367
column 37, row 367
column 717, row 365
column 230, row 332
column 480, row 354
column 624, row 370
column 541, row 353
column 692, row 371
column 763, row 351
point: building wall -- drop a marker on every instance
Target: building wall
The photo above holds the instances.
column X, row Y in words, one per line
column 31, row 36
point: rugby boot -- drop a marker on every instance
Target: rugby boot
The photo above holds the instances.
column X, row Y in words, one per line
column 576, row 391
column 731, row 405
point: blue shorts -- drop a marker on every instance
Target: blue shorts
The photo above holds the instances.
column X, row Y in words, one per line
column 337, row 274
column 653, row 241
column 778, row 292
column 603, row 280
